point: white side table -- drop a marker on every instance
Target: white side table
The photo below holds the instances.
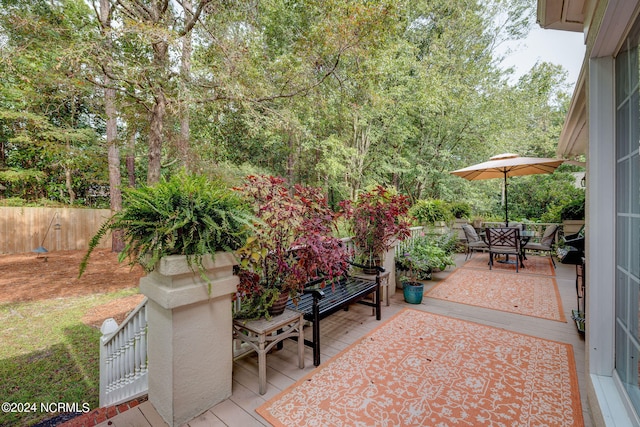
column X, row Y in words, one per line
column 263, row 334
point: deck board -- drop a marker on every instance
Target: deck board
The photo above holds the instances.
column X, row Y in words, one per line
column 345, row 327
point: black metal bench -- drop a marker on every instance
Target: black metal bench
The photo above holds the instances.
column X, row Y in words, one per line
column 318, row 302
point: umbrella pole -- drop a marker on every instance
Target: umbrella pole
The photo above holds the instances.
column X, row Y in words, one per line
column 506, row 201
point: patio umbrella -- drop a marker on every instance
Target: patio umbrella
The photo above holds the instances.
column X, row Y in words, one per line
column 506, row 165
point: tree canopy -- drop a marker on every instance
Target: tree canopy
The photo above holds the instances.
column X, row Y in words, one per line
column 340, row 94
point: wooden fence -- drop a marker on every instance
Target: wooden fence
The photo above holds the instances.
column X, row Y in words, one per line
column 56, row 229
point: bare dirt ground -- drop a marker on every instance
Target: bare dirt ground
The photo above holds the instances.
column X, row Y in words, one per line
column 32, row 277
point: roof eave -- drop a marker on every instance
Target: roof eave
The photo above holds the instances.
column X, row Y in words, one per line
column 575, row 132
column 566, row 15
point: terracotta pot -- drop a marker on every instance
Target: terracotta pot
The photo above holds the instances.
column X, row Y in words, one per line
column 279, row 304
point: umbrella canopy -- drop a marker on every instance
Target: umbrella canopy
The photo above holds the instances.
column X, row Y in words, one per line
column 506, row 165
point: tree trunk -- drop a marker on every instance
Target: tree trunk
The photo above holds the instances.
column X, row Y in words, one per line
column 69, row 184
column 113, row 155
column 160, row 19
column 155, row 136
column 159, row 110
column 185, row 71
column 131, row 159
column 361, row 142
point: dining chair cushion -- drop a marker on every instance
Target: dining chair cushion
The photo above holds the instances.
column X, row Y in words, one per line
column 470, row 233
column 549, row 235
column 545, row 244
column 478, row 244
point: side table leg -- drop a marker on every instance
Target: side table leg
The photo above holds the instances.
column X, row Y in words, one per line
column 262, row 365
column 386, row 291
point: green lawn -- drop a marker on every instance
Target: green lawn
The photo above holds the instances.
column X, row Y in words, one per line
column 48, row 355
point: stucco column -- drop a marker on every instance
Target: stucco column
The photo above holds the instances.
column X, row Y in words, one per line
column 189, row 336
column 389, row 264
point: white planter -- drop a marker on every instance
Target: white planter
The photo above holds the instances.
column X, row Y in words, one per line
column 190, row 335
column 439, row 227
column 389, row 264
column 457, row 227
column 572, row 226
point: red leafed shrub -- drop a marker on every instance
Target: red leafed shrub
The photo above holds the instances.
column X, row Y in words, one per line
column 376, row 220
column 293, row 240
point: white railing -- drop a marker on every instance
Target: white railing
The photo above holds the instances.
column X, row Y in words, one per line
column 123, row 358
column 400, row 247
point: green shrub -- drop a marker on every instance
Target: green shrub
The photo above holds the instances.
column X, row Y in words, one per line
column 573, row 210
column 553, row 214
column 426, row 253
column 460, row 210
column 430, row 211
column 15, row 201
column 447, row 242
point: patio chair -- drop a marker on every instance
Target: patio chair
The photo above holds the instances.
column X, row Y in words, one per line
column 545, row 244
column 474, row 242
column 504, row 241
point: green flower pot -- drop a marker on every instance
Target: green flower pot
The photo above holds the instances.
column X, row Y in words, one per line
column 413, row 292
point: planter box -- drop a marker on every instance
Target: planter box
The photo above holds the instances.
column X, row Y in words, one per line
column 457, row 227
column 189, row 336
column 439, row 227
column 389, row 265
column 572, row 226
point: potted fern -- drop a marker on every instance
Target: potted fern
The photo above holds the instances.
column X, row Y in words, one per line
column 434, row 213
column 185, row 215
column 183, row 231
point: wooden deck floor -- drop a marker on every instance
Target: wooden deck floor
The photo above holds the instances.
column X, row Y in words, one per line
column 342, row 329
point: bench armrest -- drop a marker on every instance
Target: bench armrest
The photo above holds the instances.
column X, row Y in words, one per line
column 311, row 288
column 316, row 292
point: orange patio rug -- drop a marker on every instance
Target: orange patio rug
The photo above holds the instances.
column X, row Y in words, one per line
column 423, row 369
column 532, row 265
column 519, row 293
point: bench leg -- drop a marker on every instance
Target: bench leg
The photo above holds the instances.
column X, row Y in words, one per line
column 384, row 289
column 301, row 343
column 316, row 341
column 378, row 303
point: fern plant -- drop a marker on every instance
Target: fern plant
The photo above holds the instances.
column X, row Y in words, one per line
column 183, row 215
column 431, row 211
